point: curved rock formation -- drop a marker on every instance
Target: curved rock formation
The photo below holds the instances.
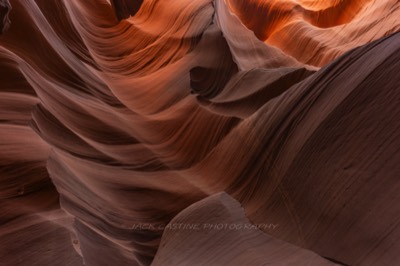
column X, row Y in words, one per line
column 191, row 237
column 138, row 109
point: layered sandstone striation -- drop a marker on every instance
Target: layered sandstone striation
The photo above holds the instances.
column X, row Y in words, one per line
column 118, row 118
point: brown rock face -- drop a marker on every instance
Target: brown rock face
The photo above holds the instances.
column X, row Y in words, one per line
column 120, row 120
column 220, row 219
column 5, row 8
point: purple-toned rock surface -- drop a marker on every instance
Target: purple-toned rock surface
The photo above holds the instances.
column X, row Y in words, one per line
column 121, row 118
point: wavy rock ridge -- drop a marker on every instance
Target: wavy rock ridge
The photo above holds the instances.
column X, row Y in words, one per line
column 117, row 116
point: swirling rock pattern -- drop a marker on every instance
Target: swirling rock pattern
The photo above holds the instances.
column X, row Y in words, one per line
column 117, row 116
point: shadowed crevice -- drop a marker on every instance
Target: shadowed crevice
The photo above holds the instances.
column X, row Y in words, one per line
column 126, row 8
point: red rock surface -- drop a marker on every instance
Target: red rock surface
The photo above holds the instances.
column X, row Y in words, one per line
column 118, row 118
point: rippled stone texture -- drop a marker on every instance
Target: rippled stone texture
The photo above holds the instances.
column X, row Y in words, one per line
column 123, row 115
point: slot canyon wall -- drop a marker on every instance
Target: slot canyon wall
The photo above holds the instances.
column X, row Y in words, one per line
column 120, row 120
